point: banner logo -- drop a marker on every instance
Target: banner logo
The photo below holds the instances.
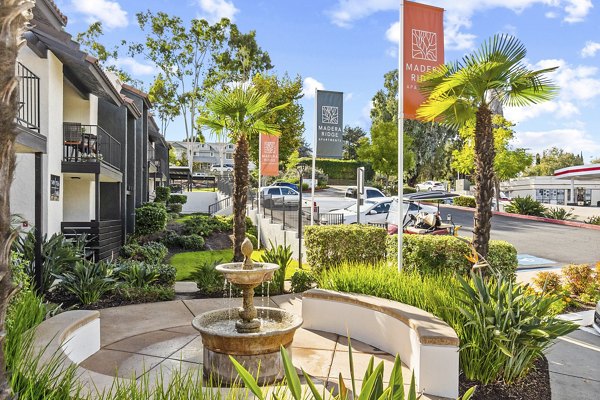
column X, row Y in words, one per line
column 424, row 45
column 329, row 115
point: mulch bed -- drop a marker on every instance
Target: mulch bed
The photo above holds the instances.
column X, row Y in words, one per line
column 67, row 300
column 218, row 241
column 534, row 386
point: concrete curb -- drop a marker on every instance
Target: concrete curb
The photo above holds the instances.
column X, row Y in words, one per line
column 582, row 225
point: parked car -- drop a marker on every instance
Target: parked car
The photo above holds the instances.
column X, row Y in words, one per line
column 276, row 195
column 372, row 211
column 224, row 168
column 410, row 208
column 429, row 185
column 596, row 323
column 370, row 193
column 286, row 184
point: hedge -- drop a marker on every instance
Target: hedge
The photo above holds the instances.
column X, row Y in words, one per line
column 162, row 194
column 340, row 169
column 150, row 218
column 177, row 199
column 464, row 201
column 432, row 253
column 328, row 246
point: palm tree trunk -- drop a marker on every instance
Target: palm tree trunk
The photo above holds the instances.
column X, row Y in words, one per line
column 14, row 15
column 484, row 179
column 240, row 195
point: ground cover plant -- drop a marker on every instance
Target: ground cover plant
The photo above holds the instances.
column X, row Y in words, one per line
column 525, row 206
column 559, row 213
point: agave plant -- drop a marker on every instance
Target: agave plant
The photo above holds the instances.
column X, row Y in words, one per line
column 559, row 213
column 525, row 206
column 372, row 387
column 88, row 281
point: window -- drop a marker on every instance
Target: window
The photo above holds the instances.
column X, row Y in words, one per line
column 373, row 193
column 273, row 191
column 382, row 208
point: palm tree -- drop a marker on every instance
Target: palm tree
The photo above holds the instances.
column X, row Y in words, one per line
column 464, row 90
column 241, row 113
column 14, row 18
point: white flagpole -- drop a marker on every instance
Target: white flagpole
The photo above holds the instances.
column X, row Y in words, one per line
column 400, row 135
column 258, row 216
column 314, row 162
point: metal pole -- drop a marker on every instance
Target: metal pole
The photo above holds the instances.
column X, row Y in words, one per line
column 400, row 134
column 314, row 162
column 300, row 223
column 38, row 265
column 258, row 218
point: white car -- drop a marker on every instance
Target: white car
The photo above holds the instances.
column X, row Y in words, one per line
column 370, row 193
column 372, row 211
column 224, row 168
column 596, row 323
column 429, row 185
column 279, row 195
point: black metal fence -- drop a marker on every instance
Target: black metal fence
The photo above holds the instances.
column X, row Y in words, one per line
column 29, row 98
column 85, row 143
column 219, row 205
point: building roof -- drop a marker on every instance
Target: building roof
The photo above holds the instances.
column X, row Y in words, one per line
column 579, row 172
column 62, row 18
column 139, row 93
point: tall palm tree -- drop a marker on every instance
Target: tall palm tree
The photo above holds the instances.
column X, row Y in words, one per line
column 14, row 18
column 240, row 114
column 465, row 90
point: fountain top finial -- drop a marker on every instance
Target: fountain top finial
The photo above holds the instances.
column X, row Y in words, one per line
column 247, row 250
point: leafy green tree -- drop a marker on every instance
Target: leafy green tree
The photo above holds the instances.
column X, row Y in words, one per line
column 161, row 94
column 385, row 101
column 304, row 150
column 382, row 149
column 464, row 91
column 352, row 137
column 553, row 159
column 289, row 119
column 241, row 114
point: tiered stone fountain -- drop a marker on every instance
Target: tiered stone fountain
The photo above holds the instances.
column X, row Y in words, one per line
column 255, row 338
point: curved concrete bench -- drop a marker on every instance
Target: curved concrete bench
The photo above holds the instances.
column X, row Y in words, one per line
column 71, row 337
column 425, row 343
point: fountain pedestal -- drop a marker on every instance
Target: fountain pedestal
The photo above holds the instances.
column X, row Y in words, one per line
column 255, row 339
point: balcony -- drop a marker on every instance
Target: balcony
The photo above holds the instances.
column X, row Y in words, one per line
column 89, row 145
column 29, row 139
column 105, row 237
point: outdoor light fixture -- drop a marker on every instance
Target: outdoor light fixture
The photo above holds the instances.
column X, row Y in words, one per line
column 301, row 167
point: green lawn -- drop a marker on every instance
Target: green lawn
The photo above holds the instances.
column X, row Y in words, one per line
column 185, row 217
column 187, row 262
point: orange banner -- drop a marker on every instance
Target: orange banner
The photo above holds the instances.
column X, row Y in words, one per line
column 423, row 49
column 269, row 155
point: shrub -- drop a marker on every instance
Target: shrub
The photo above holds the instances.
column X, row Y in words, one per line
column 150, row 218
column 58, row 254
column 578, row 278
column 595, row 220
column 162, row 194
column 464, row 201
column 525, row 206
column 146, row 294
column 185, row 242
column 177, row 199
column 328, row 246
column 87, row 281
column 137, row 273
column 282, row 256
column 208, row 280
column 174, row 208
column 166, row 275
column 506, row 328
column 409, row 190
column 341, row 169
column 151, row 252
column 205, row 225
column 558, row 213
column 302, row 281
column 547, row 282
column 435, row 254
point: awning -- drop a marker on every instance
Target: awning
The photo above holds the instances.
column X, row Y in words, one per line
column 579, row 172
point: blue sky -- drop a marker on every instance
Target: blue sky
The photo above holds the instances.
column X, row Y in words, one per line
column 347, row 45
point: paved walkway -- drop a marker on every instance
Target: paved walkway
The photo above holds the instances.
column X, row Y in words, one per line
column 158, row 338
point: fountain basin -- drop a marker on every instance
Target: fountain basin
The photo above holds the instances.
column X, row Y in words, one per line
column 259, row 273
column 257, row 351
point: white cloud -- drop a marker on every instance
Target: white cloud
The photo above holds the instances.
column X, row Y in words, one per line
column 568, row 139
column 366, row 110
column 458, row 14
column 214, row 10
column 590, row 49
column 559, row 109
column 393, row 32
column 108, row 12
column 348, row 96
column 136, row 67
column 309, row 86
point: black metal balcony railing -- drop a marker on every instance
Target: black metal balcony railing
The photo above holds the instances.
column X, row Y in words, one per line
column 90, row 143
column 29, row 98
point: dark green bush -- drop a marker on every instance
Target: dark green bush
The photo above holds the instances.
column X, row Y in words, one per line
column 464, row 201
column 88, row 281
column 525, row 206
column 150, row 218
column 162, row 194
column 435, row 254
column 208, row 280
column 174, row 208
column 408, row 190
column 177, row 199
column 166, row 275
column 185, row 242
column 205, row 225
column 301, row 281
column 136, row 273
column 340, row 169
column 328, row 246
column 151, row 252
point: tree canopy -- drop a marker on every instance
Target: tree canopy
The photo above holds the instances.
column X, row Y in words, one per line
column 382, row 149
column 551, row 160
column 352, row 137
